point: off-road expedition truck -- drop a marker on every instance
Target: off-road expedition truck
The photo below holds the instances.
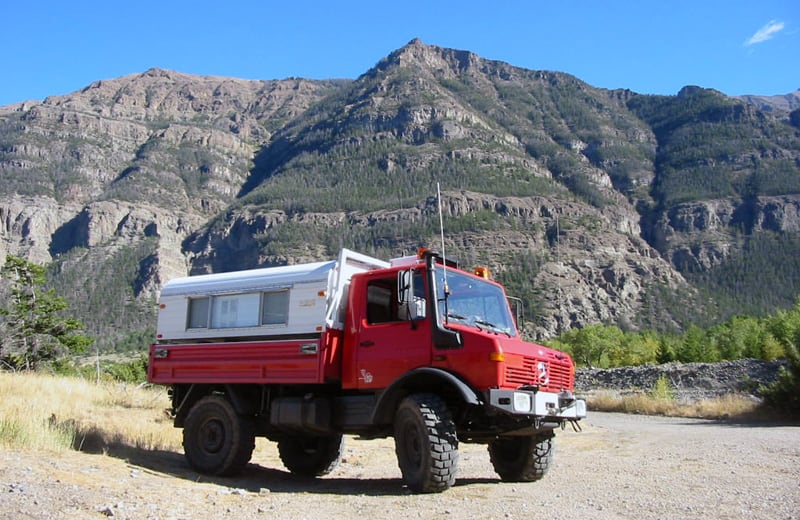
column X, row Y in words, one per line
column 414, row 348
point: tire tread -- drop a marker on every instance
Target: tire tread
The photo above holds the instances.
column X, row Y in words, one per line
column 442, row 443
column 531, row 457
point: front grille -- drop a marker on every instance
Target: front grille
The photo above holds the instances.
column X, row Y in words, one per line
column 556, row 376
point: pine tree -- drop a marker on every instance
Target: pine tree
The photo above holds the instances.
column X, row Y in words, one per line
column 33, row 328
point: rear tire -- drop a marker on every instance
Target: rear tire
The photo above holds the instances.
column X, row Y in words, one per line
column 311, row 456
column 426, row 443
column 522, row 459
column 216, row 440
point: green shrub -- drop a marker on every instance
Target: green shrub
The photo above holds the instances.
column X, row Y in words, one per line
column 662, row 390
column 134, row 371
column 128, row 371
column 784, row 394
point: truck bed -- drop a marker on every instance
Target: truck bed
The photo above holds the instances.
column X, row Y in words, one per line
column 260, row 362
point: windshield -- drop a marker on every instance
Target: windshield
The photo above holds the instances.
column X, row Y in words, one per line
column 474, row 302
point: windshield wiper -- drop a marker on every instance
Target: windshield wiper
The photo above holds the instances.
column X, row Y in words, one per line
column 491, row 326
column 456, row 316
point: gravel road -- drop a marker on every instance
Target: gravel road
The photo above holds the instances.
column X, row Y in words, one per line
column 619, row 466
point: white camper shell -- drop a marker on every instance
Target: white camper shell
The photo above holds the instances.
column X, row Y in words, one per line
column 287, row 301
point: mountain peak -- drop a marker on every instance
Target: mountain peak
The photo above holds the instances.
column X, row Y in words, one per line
column 156, row 72
column 417, row 54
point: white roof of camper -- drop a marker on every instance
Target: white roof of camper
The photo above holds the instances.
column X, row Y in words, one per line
column 249, row 280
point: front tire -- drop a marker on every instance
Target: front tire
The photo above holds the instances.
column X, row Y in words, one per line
column 426, row 443
column 216, row 440
column 311, row 456
column 522, row 459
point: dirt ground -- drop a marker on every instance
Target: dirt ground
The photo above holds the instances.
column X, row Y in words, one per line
column 619, row 466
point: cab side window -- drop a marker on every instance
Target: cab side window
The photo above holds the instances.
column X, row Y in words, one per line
column 381, row 301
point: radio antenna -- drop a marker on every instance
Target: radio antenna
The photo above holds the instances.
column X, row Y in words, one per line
column 441, row 232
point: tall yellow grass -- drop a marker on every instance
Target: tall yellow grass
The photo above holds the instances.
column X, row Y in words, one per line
column 730, row 406
column 47, row 412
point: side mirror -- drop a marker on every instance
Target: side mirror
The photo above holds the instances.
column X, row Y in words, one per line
column 517, row 309
column 415, row 305
column 416, row 310
column 404, row 279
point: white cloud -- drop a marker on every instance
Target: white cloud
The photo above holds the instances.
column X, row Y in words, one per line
column 765, row 33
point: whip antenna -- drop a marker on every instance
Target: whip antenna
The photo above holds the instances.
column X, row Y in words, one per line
column 441, row 232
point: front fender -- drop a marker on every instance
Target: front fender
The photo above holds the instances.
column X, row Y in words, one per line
column 426, row 379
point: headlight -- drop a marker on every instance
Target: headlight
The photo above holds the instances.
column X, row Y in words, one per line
column 522, row 402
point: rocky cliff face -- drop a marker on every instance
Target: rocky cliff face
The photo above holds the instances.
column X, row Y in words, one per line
column 558, row 186
column 146, row 156
column 28, row 224
column 697, row 235
column 602, row 276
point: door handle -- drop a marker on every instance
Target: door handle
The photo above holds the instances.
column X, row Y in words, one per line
column 367, row 343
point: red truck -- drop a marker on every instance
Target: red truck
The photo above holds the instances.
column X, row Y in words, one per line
column 413, row 348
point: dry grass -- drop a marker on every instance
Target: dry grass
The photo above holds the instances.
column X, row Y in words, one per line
column 730, row 406
column 58, row 413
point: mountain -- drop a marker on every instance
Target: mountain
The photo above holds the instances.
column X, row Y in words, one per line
column 592, row 205
column 789, row 101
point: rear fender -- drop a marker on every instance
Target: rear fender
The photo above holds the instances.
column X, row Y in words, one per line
column 183, row 398
column 245, row 399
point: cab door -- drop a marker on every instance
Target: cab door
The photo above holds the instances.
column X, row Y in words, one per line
column 389, row 342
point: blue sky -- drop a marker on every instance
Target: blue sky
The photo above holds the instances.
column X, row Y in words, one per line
column 653, row 47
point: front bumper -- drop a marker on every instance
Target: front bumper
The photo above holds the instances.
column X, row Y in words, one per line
column 550, row 405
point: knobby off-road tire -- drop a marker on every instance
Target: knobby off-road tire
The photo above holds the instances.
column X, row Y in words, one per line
column 522, row 459
column 216, row 440
column 311, row 456
column 426, row 443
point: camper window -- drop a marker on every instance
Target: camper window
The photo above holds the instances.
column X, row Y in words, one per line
column 239, row 310
column 198, row 313
column 235, row 310
column 275, row 308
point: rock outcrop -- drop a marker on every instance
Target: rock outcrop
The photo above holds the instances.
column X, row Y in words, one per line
column 688, row 381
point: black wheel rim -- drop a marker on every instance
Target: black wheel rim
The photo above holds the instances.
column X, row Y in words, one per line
column 311, row 447
column 413, row 446
column 212, row 436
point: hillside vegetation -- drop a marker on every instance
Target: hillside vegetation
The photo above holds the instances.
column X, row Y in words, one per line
column 768, row 338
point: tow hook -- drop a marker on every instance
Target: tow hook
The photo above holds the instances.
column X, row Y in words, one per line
column 576, row 425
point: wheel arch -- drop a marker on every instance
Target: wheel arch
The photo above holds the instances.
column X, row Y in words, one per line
column 244, row 398
column 452, row 389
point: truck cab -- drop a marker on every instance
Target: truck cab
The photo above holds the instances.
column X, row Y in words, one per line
column 424, row 319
